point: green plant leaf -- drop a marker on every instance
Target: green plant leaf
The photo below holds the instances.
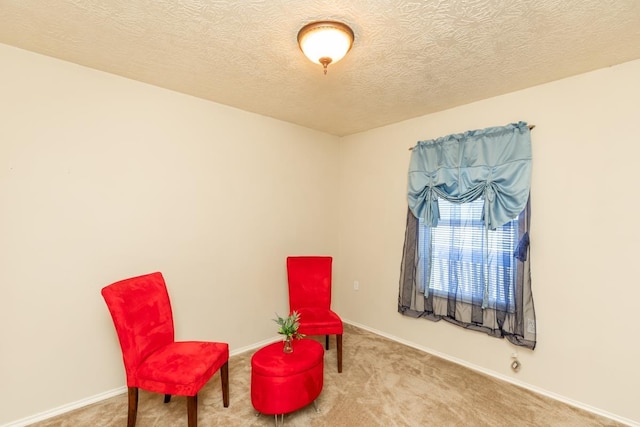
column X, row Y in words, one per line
column 289, row 325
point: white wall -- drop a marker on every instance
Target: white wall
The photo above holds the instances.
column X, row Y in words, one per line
column 103, row 178
column 584, row 239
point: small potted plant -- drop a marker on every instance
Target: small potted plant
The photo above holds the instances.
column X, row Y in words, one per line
column 289, row 328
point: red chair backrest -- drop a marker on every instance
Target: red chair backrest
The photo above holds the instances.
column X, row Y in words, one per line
column 309, row 280
column 141, row 312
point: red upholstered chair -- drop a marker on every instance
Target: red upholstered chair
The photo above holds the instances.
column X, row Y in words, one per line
column 153, row 361
column 309, row 280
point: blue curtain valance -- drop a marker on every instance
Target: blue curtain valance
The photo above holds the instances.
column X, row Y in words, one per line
column 494, row 163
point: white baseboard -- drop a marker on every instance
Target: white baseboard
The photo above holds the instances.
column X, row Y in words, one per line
column 120, row 390
column 498, row 375
column 255, row 346
column 111, row 393
column 66, row 408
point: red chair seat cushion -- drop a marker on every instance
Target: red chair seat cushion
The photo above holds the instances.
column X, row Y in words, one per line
column 181, row 368
column 319, row 321
column 281, row 382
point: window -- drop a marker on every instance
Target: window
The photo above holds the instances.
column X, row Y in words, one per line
column 465, row 258
column 460, row 261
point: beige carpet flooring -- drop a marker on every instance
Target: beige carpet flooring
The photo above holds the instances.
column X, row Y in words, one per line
column 383, row 383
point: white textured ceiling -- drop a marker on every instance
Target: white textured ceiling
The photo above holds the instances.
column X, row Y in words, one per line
column 409, row 58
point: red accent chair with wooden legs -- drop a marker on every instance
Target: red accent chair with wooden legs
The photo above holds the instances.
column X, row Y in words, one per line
column 153, row 360
column 309, row 280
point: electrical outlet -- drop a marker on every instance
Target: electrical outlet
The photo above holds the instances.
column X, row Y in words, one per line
column 356, row 286
column 531, row 326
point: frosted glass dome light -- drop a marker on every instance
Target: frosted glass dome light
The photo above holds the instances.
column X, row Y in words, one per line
column 325, row 42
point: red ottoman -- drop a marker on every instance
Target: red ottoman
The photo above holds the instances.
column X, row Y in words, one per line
column 281, row 382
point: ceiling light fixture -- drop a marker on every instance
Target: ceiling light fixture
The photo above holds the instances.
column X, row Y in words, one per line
column 325, row 42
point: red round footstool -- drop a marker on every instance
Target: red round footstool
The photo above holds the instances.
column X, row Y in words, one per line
column 284, row 382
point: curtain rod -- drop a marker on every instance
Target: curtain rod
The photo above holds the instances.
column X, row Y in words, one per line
column 529, row 126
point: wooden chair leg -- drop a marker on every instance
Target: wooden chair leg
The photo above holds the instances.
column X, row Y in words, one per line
column 133, row 407
column 167, row 398
column 192, row 410
column 326, row 344
column 339, row 345
column 224, row 377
